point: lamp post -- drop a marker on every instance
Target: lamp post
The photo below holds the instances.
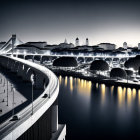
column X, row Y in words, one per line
column 7, row 92
column 32, row 81
column 49, row 86
column 13, row 89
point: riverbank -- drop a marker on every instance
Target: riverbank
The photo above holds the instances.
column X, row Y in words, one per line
column 100, row 80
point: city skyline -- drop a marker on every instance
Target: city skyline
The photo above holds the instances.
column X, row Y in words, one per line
column 53, row 21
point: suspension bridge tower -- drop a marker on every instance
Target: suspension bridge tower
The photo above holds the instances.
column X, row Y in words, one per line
column 13, row 42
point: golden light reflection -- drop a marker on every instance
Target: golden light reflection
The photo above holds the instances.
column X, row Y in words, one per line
column 75, row 80
column 103, row 93
column 120, row 95
column 120, row 90
column 85, row 83
column 84, row 87
column 123, row 94
column 124, row 90
column 71, row 83
column 89, row 84
column 66, row 80
column 60, row 79
column 139, row 96
column 112, row 90
column 78, row 81
column 134, row 93
column 129, row 96
column 82, row 83
column 97, row 85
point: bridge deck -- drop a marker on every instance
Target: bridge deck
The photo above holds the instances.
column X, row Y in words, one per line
column 15, row 128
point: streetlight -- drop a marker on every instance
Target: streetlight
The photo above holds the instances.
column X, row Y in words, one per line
column 13, row 89
column 7, row 91
column 32, row 81
column 49, row 86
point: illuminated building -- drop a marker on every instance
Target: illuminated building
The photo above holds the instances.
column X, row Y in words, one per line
column 125, row 45
column 77, row 42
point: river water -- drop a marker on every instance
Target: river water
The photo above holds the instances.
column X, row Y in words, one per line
column 96, row 111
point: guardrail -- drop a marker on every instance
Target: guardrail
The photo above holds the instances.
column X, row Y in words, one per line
column 14, row 129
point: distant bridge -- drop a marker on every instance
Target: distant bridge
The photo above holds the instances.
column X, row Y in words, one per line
column 42, row 58
column 11, row 44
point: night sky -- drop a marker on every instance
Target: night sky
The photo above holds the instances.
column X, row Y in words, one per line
column 113, row 21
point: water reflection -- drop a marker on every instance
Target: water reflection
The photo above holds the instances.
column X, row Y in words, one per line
column 66, row 80
column 84, row 87
column 60, row 79
column 96, row 85
column 96, row 106
column 119, row 90
column 139, row 96
column 129, row 97
column 71, row 83
column 134, row 93
column 103, row 93
column 112, row 90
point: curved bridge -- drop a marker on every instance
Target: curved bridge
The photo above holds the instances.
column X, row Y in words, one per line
column 45, row 107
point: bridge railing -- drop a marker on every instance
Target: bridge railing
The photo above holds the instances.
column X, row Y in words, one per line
column 14, row 129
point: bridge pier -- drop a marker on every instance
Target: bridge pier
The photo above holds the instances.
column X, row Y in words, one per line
column 15, row 69
column 24, row 73
column 20, row 70
column 13, row 66
column 54, row 115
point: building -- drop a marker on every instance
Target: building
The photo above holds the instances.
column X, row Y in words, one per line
column 107, row 46
column 66, row 45
column 77, row 42
column 138, row 46
column 125, row 45
column 65, row 41
column 38, row 44
column 87, row 42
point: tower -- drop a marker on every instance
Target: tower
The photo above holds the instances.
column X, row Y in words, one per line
column 13, row 42
column 65, row 41
column 138, row 46
column 87, row 42
column 125, row 45
column 77, row 42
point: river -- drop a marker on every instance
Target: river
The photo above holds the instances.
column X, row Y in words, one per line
column 96, row 111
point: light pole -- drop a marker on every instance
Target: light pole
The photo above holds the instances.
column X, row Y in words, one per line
column 13, row 89
column 32, row 81
column 7, row 92
column 4, row 82
column 49, row 86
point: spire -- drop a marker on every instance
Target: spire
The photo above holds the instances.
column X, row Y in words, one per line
column 65, row 41
column 77, row 41
column 125, row 45
column 87, row 42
